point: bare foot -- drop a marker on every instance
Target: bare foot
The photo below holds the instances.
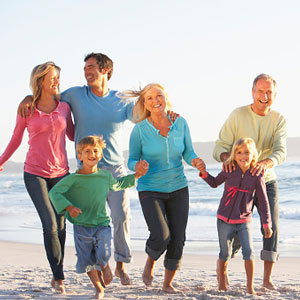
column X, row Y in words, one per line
column 269, row 285
column 58, row 286
column 225, row 276
column 148, row 272
column 124, row 277
column 222, row 282
column 170, row 289
column 107, row 275
column 99, row 294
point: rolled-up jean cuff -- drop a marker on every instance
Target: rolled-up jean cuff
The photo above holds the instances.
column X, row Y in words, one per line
column 123, row 259
column 153, row 253
column 269, row 255
column 172, row 264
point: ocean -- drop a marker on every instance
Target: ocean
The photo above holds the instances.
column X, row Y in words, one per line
column 19, row 221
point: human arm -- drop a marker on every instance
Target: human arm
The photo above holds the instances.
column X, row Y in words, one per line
column 141, row 168
column 73, row 211
column 58, row 194
column 224, row 143
column 263, row 202
column 278, row 149
column 24, row 106
column 173, row 115
column 188, row 154
column 135, row 148
column 15, row 141
column 122, row 183
column 268, row 232
column 199, row 164
column 70, row 124
column 214, row 181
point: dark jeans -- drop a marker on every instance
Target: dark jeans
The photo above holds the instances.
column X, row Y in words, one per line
column 54, row 225
column 166, row 215
column 270, row 246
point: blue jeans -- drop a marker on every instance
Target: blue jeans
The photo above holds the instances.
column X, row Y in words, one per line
column 54, row 225
column 270, row 246
column 226, row 233
column 166, row 215
column 93, row 247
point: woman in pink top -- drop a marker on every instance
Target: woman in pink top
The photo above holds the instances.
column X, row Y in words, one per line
column 46, row 162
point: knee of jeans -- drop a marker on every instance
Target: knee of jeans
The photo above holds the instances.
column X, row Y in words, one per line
column 247, row 253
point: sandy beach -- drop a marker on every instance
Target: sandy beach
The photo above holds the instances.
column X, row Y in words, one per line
column 25, row 274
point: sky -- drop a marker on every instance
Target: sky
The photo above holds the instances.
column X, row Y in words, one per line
column 206, row 53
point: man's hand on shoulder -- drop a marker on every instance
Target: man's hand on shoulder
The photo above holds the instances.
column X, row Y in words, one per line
column 24, row 106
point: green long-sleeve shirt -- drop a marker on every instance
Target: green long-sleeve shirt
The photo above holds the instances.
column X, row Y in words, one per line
column 268, row 132
column 88, row 192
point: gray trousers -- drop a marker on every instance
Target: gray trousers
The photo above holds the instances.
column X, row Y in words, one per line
column 119, row 205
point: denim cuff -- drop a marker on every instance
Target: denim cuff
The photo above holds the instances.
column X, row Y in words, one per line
column 269, row 255
column 154, row 254
column 172, row 264
column 123, row 259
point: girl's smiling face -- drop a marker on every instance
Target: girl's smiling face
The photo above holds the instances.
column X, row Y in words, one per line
column 243, row 157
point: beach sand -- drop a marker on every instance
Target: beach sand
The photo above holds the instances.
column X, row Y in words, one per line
column 25, row 274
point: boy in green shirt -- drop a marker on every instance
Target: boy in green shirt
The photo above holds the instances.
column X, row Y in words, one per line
column 82, row 195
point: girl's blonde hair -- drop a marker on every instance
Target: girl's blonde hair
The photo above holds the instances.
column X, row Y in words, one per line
column 37, row 76
column 240, row 143
column 140, row 112
column 91, row 140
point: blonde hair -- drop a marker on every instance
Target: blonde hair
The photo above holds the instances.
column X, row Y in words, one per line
column 240, row 143
column 36, row 78
column 140, row 112
column 91, row 140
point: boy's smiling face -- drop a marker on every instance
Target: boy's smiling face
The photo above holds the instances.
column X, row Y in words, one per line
column 90, row 156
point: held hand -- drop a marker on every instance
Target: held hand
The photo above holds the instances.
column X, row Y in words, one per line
column 261, row 167
column 268, row 232
column 173, row 115
column 24, row 106
column 74, row 211
column 141, row 168
column 199, row 164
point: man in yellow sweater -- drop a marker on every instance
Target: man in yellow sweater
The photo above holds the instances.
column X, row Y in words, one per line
column 268, row 129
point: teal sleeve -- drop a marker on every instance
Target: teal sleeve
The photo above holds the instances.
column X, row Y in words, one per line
column 135, row 148
column 57, row 195
column 188, row 153
column 121, row 183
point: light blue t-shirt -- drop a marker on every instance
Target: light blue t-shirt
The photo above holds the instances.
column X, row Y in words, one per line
column 164, row 155
column 104, row 116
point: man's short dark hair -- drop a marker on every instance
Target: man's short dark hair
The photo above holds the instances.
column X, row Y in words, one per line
column 103, row 61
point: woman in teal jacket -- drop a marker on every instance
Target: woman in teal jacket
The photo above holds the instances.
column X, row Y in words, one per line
column 163, row 191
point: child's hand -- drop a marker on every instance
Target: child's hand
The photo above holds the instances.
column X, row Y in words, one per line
column 268, row 232
column 141, row 168
column 199, row 164
column 74, row 211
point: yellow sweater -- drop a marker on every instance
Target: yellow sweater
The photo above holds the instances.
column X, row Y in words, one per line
column 268, row 132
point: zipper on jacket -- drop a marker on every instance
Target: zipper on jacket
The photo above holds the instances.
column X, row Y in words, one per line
column 228, row 218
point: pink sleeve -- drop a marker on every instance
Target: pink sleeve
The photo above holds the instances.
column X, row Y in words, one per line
column 70, row 125
column 15, row 141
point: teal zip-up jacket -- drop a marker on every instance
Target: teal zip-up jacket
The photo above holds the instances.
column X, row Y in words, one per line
column 164, row 155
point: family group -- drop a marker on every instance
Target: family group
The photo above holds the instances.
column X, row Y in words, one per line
column 251, row 143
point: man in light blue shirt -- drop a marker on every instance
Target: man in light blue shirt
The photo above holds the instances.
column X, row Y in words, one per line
column 100, row 111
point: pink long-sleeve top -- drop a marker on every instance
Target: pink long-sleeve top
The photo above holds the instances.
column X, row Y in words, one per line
column 47, row 155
